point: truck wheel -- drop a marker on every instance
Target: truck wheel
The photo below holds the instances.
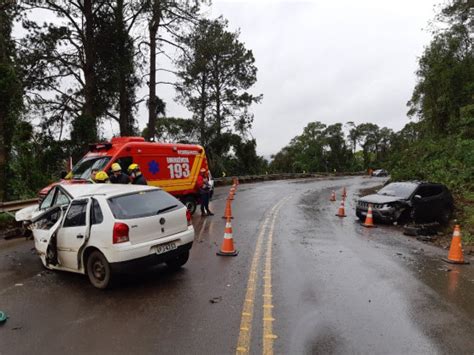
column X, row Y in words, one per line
column 178, row 261
column 98, row 270
column 190, row 203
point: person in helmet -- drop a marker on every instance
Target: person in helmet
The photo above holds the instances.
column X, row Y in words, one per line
column 92, row 176
column 101, row 177
column 118, row 177
column 136, row 175
column 204, row 192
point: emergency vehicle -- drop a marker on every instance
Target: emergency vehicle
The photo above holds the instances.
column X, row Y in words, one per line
column 173, row 167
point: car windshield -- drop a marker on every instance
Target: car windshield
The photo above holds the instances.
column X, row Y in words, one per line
column 143, row 204
column 398, row 189
column 83, row 169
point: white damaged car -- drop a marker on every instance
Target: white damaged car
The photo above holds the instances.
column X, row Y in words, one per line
column 100, row 229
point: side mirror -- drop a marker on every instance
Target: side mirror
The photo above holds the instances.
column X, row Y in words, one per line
column 417, row 197
column 63, row 174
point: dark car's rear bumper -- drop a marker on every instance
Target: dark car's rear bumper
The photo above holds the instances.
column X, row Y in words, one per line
column 149, row 260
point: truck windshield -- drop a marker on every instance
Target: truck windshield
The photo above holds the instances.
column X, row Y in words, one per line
column 83, row 169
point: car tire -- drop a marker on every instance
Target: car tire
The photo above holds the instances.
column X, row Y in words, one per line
column 190, row 203
column 98, row 270
column 178, row 261
column 445, row 215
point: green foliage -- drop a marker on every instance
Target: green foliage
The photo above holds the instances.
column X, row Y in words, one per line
column 37, row 160
column 445, row 81
column 11, row 92
column 318, row 148
column 447, row 160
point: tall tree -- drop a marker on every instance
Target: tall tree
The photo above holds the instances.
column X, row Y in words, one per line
column 446, row 73
column 167, row 15
column 63, row 59
column 215, row 75
column 118, row 60
column 11, row 91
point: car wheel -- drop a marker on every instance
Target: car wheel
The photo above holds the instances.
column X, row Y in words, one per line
column 406, row 216
column 445, row 215
column 98, row 270
column 190, row 203
column 178, row 261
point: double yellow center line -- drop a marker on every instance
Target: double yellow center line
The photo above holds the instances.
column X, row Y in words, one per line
column 245, row 334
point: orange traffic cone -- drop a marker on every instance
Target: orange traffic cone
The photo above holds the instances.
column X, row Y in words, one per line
column 455, row 255
column 333, row 196
column 231, row 193
column 344, row 193
column 369, row 221
column 228, row 210
column 227, row 248
column 341, row 212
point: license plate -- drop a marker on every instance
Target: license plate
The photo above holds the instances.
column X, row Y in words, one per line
column 164, row 248
column 364, row 213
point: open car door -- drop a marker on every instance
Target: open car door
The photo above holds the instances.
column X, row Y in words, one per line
column 44, row 228
column 74, row 233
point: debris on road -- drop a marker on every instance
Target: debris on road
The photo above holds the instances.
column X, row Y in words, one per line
column 428, row 230
column 3, row 317
column 215, row 299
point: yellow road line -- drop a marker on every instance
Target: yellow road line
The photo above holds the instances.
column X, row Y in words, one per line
column 268, row 336
column 243, row 343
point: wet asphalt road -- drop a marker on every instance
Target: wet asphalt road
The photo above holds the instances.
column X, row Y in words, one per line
column 321, row 285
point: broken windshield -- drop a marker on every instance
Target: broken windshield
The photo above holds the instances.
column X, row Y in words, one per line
column 83, row 169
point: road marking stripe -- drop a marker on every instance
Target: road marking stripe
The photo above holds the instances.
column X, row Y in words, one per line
column 243, row 343
column 268, row 336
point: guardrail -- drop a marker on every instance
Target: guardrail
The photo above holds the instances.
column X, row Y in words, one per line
column 283, row 176
column 13, row 206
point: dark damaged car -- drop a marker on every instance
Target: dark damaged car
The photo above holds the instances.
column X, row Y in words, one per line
column 408, row 201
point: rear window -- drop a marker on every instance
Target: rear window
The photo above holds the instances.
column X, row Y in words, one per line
column 143, row 204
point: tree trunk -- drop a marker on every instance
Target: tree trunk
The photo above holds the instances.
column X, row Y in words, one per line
column 3, row 157
column 152, row 104
column 202, row 119
column 85, row 129
column 125, row 109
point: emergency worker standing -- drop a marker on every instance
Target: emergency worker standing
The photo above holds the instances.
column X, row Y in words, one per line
column 118, row 176
column 93, row 173
column 101, row 177
column 204, row 192
column 136, row 175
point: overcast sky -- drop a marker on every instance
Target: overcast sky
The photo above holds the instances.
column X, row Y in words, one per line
column 330, row 61
column 317, row 60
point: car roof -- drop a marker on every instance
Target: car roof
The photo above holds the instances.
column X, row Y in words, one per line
column 78, row 190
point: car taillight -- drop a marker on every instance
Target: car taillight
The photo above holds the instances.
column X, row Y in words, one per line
column 189, row 217
column 120, row 234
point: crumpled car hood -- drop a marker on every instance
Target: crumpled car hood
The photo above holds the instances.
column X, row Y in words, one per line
column 27, row 213
column 375, row 198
